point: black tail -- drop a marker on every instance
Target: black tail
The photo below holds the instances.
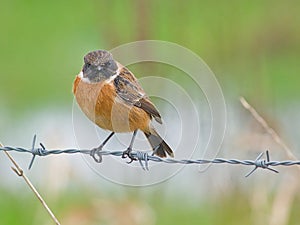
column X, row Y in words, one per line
column 159, row 146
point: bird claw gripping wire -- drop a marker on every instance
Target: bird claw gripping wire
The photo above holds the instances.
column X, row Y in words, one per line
column 261, row 163
column 96, row 154
column 128, row 153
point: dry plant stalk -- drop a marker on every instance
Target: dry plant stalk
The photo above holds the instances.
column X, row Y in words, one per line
column 18, row 170
column 286, row 192
column 269, row 130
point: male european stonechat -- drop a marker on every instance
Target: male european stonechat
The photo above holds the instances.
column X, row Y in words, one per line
column 111, row 97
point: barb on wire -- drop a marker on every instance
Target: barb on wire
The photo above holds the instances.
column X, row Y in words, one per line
column 19, row 171
column 277, row 139
column 143, row 158
column 262, row 163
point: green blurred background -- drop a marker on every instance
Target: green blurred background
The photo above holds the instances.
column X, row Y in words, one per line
column 252, row 46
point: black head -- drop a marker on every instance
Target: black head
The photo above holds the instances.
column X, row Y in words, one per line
column 98, row 66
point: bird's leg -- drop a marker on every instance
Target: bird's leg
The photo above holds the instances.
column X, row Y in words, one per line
column 95, row 152
column 129, row 149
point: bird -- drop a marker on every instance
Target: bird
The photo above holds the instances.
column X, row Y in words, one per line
column 112, row 98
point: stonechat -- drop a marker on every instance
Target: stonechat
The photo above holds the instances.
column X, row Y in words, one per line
column 111, row 97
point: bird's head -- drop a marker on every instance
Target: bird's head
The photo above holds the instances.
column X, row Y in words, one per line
column 98, row 66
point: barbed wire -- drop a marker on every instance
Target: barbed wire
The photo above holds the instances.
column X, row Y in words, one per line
column 144, row 157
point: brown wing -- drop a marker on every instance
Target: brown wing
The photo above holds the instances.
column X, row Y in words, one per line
column 131, row 92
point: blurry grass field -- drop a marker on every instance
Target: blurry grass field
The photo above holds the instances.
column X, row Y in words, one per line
column 245, row 43
column 77, row 208
column 252, row 46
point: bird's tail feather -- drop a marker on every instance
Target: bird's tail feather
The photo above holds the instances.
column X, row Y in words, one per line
column 159, row 146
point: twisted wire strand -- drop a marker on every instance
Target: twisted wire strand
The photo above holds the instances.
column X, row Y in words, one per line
column 143, row 157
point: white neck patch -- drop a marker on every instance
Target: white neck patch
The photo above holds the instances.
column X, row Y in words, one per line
column 84, row 79
column 109, row 80
column 113, row 76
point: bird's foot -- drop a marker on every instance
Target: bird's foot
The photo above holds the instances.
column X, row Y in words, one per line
column 127, row 153
column 95, row 153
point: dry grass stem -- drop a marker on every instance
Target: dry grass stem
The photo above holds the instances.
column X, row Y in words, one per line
column 268, row 129
column 18, row 170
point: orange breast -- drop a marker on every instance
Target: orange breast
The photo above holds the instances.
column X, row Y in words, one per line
column 101, row 105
